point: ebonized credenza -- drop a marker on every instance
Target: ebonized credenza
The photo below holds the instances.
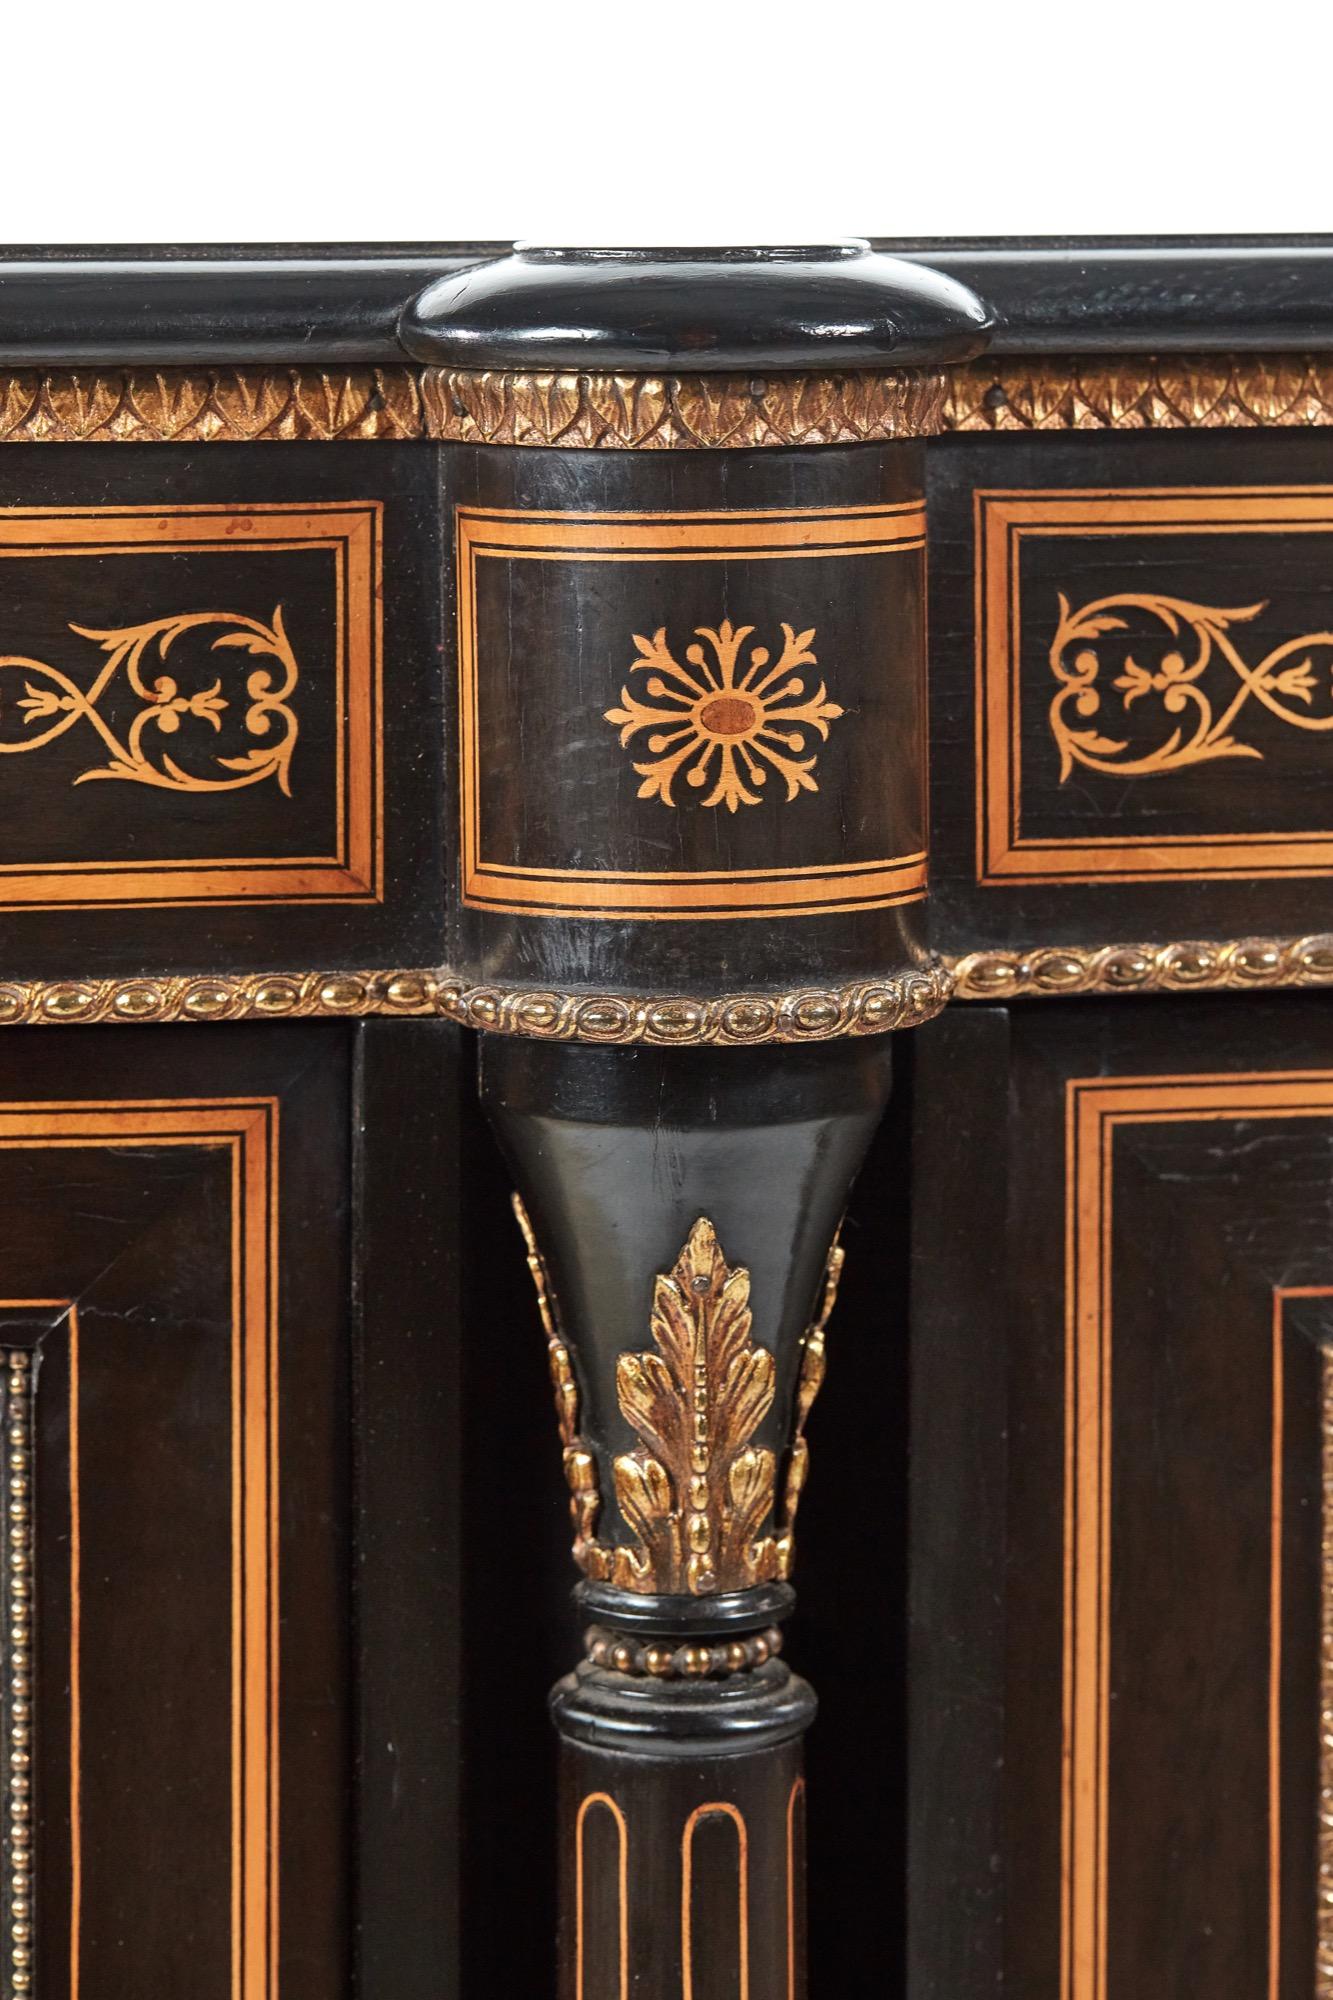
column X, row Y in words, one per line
column 525, row 774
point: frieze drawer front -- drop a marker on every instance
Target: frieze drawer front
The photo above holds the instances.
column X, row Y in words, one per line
column 1134, row 679
column 216, row 709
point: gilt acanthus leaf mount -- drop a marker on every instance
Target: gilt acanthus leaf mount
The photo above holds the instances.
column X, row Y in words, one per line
column 696, row 1492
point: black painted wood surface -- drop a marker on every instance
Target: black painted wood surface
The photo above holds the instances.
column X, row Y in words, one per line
column 188, row 1404
column 325, row 303
column 1212, row 1333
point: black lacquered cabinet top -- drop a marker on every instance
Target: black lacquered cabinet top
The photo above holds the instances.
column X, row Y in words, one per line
column 317, row 304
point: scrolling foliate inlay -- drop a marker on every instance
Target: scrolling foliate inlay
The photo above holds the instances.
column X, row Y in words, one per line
column 746, row 714
column 1198, row 725
column 52, row 702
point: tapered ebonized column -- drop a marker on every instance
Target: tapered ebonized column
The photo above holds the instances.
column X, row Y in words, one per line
column 686, row 501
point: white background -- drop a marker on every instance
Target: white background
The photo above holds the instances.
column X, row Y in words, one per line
column 672, row 121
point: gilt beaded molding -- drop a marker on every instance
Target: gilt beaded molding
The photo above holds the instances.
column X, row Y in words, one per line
column 1188, row 966
column 809, row 1014
column 210, row 996
column 1323, row 1927
column 17, row 1384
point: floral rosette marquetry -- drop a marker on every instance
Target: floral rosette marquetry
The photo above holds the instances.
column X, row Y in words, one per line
column 723, row 721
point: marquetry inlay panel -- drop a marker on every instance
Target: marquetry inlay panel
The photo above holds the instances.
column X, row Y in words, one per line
column 190, row 704
column 727, row 745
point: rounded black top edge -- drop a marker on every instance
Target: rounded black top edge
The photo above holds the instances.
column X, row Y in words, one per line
column 699, row 253
column 777, row 308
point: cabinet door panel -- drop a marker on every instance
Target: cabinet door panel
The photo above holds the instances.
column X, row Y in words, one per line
column 1139, row 1392
column 172, row 1240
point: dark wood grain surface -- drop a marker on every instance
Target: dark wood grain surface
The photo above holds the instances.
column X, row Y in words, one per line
column 1119, row 1398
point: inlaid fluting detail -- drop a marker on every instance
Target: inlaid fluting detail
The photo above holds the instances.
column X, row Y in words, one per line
column 1182, row 966
column 715, row 1809
column 601, row 1802
column 680, row 412
column 730, row 719
column 17, row 1898
column 1141, row 392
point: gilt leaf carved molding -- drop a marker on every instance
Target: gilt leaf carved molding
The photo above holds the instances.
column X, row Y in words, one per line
column 298, row 404
column 1141, row 392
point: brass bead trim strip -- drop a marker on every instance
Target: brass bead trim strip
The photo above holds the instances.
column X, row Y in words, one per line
column 16, row 1570
column 1323, row 1903
column 222, row 997
column 812, row 1014
column 663, row 1660
column 1141, row 392
column 1240, row 964
column 681, row 412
